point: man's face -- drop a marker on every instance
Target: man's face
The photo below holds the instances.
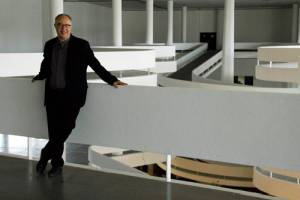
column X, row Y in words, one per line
column 63, row 26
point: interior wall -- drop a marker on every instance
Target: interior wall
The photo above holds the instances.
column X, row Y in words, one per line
column 251, row 25
column 263, row 25
column 20, row 26
column 134, row 25
column 259, row 25
column 26, row 26
column 91, row 21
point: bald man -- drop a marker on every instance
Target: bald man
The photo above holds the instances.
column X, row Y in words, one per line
column 64, row 66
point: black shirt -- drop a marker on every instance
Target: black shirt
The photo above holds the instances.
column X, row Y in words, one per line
column 58, row 65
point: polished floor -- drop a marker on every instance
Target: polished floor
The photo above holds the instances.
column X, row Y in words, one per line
column 19, row 181
column 18, row 145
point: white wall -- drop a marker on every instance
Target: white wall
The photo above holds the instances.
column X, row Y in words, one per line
column 200, row 21
column 91, row 21
column 259, row 25
column 252, row 25
column 134, row 28
column 46, row 21
column 20, row 26
column 263, row 25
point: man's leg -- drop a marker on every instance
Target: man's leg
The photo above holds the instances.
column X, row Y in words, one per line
column 53, row 119
column 68, row 116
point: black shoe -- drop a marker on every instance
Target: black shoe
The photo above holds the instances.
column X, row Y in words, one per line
column 55, row 171
column 41, row 166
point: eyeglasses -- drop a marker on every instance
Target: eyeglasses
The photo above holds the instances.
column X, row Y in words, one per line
column 63, row 25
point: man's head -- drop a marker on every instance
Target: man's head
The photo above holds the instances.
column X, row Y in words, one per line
column 63, row 26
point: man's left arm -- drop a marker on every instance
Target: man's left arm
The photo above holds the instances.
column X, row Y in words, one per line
column 100, row 70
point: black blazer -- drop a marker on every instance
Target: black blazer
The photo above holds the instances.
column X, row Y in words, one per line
column 79, row 56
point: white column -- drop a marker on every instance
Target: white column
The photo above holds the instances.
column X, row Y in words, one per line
column 298, row 34
column 29, row 148
column 170, row 22
column 149, row 32
column 294, row 35
column 117, row 22
column 184, row 22
column 227, row 73
column 56, row 8
column 169, row 168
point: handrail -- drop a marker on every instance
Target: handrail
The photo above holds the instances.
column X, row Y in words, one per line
column 220, row 86
column 256, row 45
column 279, row 53
column 184, row 60
column 276, row 183
column 209, row 66
column 28, row 64
column 161, row 51
column 187, row 46
column 281, row 177
column 283, row 63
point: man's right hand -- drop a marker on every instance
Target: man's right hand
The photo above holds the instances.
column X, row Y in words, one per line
column 37, row 77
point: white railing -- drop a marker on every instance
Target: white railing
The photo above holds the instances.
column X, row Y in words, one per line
column 184, row 60
column 161, row 51
column 256, row 45
column 178, row 46
column 208, row 67
column 116, row 59
column 173, row 115
column 279, row 176
column 27, row 64
column 187, row 46
column 281, row 183
column 278, row 63
column 20, row 64
column 164, row 55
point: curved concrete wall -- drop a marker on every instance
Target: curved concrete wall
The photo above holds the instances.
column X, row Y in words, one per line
column 236, row 126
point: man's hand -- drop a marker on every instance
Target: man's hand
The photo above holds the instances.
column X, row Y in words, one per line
column 36, row 78
column 33, row 79
column 118, row 84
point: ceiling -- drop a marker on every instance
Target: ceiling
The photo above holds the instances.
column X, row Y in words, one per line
column 193, row 4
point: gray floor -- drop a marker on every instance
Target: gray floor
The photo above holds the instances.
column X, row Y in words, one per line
column 17, row 145
column 18, row 180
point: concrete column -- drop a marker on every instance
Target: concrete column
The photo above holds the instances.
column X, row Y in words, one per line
column 227, row 72
column 149, row 32
column 298, row 34
column 117, row 22
column 170, row 22
column 295, row 23
column 184, row 22
column 56, row 8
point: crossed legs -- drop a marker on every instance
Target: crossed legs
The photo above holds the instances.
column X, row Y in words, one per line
column 61, row 119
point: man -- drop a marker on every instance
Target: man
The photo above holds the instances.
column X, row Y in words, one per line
column 66, row 58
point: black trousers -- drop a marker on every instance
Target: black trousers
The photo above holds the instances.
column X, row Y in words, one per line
column 61, row 118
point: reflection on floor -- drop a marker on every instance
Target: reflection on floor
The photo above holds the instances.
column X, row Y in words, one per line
column 18, row 145
column 18, row 180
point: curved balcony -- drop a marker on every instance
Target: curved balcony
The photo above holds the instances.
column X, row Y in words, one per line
column 278, row 63
column 114, row 59
column 214, row 173
column 281, row 183
column 154, row 113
